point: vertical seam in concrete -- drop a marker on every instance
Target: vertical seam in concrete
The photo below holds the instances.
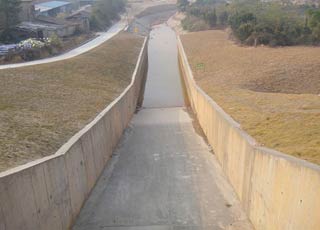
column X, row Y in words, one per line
column 94, row 155
column 3, row 216
column 68, row 188
column 86, row 172
column 250, row 182
column 48, row 196
column 35, row 200
column 92, row 151
column 45, row 181
column 108, row 128
column 105, row 127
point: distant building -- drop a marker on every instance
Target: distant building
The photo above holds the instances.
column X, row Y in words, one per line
column 81, row 17
column 46, row 27
column 46, row 8
column 34, row 29
column 52, row 8
column 75, row 3
column 86, row 2
column 39, row 19
column 27, row 10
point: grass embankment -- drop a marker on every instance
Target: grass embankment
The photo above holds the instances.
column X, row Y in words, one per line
column 42, row 106
column 274, row 93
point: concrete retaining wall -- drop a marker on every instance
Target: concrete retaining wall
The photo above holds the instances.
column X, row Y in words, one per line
column 48, row 193
column 277, row 191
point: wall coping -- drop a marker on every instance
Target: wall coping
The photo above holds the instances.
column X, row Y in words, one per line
column 67, row 146
column 237, row 126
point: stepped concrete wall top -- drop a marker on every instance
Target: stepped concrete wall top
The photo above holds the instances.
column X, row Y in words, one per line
column 48, row 193
column 277, row 191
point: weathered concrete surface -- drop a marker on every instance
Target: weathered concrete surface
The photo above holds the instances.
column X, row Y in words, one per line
column 277, row 191
column 48, row 193
column 163, row 175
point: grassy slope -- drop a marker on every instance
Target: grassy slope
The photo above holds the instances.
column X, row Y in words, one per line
column 42, row 106
column 272, row 93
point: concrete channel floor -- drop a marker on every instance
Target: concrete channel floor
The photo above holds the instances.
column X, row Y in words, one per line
column 163, row 175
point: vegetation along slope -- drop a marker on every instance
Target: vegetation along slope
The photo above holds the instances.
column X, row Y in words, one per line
column 260, row 62
column 274, row 93
column 42, row 106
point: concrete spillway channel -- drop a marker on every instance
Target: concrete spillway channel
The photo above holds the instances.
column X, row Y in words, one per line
column 163, row 174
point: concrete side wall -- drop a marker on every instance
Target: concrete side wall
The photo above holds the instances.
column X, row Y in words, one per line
column 49, row 193
column 277, row 191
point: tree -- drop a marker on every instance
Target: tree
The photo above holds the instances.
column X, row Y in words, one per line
column 211, row 18
column 239, row 18
column 313, row 18
column 104, row 11
column 182, row 4
column 223, row 18
column 313, row 22
column 10, row 9
column 255, row 22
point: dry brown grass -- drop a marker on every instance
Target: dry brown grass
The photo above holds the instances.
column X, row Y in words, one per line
column 272, row 92
column 42, row 106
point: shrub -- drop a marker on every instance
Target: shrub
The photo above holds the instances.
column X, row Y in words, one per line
column 182, row 5
column 55, row 41
column 104, row 12
column 192, row 24
column 271, row 24
column 256, row 22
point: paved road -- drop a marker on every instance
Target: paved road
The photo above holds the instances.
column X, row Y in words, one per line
column 163, row 175
column 114, row 30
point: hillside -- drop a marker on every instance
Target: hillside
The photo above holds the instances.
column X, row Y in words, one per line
column 42, row 106
column 274, row 93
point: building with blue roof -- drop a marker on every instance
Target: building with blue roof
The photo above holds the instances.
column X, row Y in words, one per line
column 52, row 8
